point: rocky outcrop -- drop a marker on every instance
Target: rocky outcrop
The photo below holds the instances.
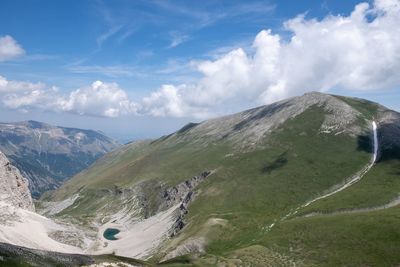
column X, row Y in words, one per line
column 183, row 193
column 194, row 246
column 47, row 155
column 13, row 186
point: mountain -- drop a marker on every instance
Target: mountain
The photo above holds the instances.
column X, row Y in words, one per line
column 48, row 155
column 309, row 181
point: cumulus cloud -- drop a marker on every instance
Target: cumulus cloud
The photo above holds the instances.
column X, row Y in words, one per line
column 360, row 51
column 356, row 52
column 101, row 99
column 9, row 48
column 17, row 86
column 98, row 99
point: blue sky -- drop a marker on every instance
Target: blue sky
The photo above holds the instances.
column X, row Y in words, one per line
column 164, row 63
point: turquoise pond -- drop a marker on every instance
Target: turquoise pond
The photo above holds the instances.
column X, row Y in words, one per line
column 110, row 233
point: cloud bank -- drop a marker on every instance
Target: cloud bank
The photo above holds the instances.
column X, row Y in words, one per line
column 98, row 99
column 356, row 52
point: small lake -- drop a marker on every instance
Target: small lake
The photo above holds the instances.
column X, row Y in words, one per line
column 110, row 233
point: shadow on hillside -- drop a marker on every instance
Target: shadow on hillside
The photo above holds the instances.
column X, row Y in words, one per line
column 267, row 111
column 278, row 163
column 389, row 142
column 365, row 143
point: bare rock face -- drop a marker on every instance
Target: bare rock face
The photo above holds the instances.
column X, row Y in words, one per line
column 184, row 194
column 13, row 186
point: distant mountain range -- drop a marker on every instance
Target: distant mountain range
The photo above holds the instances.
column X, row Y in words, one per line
column 48, row 155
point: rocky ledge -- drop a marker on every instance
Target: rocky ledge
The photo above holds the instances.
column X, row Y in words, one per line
column 184, row 194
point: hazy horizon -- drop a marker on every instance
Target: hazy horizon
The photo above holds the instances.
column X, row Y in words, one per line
column 161, row 126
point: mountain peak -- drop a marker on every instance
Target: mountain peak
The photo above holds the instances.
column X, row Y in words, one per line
column 35, row 124
column 315, row 93
column 314, row 98
column 250, row 126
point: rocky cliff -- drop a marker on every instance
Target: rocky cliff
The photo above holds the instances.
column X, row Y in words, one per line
column 13, row 186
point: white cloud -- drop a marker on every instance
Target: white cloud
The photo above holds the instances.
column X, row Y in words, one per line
column 356, row 52
column 105, row 36
column 9, row 48
column 177, row 39
column 7, row 86
column 98, row 99
column 166, row 101
column 110, row 71
column 43, row 98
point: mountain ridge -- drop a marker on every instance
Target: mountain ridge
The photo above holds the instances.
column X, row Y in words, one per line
column 48, row 155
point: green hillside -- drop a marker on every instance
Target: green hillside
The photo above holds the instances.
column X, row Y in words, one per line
column 265, row 163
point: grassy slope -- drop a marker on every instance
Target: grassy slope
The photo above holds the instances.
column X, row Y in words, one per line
column 378, row 187
column 362, row 239
column 357, row 239
column 250, row 190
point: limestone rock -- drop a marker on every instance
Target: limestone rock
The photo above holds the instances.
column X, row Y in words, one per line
column 13, row 186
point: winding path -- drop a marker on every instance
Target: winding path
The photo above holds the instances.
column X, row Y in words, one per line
column 337, row 188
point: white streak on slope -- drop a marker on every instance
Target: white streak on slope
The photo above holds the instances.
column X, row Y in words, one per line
column 395, row 202
column 355, row 178
column 375, row 129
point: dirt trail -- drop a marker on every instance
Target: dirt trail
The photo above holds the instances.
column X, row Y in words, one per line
column 395, row 202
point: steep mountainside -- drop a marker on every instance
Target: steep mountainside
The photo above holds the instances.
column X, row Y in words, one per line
column 13, row 186
column 48, row 155
column 309, row 181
